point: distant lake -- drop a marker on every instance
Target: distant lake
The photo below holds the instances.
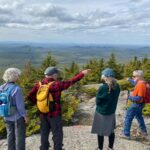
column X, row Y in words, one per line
column 18, row 54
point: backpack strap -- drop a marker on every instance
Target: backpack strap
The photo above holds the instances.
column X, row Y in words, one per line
column 3, row 87
column 50, row 83
column 11, row 88
column 40, row 83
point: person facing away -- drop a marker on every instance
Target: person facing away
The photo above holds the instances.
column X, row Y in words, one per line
column 135, row 110
column 52, row 121
column 106, row 102
column 15, row 123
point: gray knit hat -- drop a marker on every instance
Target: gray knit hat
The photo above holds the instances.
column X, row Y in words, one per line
column 51, row 70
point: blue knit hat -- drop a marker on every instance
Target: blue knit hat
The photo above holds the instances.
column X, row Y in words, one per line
column 51, row 70
column 108, row 72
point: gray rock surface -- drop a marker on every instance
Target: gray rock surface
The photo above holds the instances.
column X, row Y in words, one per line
column 80, row 138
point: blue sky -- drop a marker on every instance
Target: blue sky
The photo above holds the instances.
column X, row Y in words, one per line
column 76, row 21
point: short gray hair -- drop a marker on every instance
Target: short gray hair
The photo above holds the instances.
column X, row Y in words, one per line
column 11, row 74
column 138, row 73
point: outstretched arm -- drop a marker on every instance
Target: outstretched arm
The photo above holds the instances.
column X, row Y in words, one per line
column 66, row 84
column 131, row 81
column 135, row 98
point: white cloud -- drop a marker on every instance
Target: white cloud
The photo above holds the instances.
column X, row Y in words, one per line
column 96, row 16
column 5, row 10
column 39, row 16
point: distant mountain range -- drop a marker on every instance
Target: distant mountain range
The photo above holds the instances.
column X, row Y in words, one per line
column 18, row 54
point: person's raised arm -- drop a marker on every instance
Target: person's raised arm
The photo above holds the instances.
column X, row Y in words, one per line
column 66, row 84
column 131, row 81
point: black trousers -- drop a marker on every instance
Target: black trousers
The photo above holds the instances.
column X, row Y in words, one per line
column 55, row 125
column 101, row 141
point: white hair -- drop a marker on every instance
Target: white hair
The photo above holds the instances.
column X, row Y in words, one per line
column 138, row 73
column 11, row 74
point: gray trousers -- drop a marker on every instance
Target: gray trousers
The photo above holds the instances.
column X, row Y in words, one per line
column 55, row 125
column 16, row 134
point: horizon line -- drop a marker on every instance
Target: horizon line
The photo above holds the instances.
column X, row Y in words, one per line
column 72, row 43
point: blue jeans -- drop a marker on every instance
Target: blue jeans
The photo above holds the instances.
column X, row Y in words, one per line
column 16, row 134
column 134, row 111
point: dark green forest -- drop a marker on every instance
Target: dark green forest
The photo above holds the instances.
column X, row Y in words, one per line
column 30, row 75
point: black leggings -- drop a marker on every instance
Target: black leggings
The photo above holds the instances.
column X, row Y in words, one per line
column 101, row 141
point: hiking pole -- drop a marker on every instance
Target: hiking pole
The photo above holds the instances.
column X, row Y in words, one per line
column 128, row 93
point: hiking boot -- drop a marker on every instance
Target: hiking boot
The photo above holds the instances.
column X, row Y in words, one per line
column 144, row 133
column 125, row 136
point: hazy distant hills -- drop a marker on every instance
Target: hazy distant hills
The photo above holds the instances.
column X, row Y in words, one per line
column 17, row 54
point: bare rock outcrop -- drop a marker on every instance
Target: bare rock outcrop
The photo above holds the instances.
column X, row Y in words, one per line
column 79, row 137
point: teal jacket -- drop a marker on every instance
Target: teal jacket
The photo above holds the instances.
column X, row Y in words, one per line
column 106, row 102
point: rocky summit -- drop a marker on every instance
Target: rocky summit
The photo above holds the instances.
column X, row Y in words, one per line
column 79, row 137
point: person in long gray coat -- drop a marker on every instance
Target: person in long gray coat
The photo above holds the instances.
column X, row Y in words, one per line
column 106, row 102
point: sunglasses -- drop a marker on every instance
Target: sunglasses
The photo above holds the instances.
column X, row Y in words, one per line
column 133, row 76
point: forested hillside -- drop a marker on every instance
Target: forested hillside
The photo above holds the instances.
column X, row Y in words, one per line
column 18, row 54
column 31, row 74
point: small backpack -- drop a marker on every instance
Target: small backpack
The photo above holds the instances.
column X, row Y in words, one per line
column 7, row 105
column 147, row 97
column 44, row 97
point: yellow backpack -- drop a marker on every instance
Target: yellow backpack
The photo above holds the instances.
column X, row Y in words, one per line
column 44, row 97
